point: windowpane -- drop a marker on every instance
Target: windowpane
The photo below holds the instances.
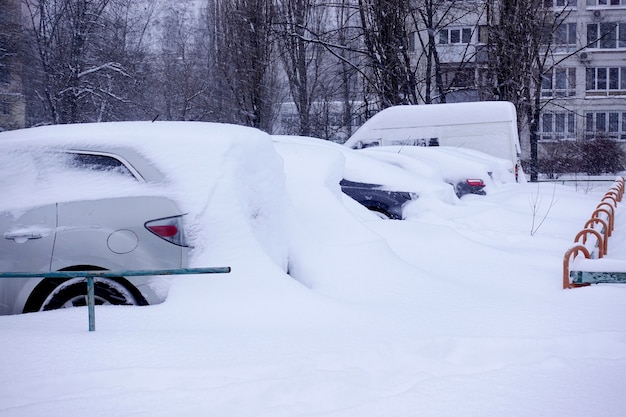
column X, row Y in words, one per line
column 560, row 79
column 613, row 78
column 467, row 35
column 591, row 77
column 608, row 35
column 571, row 29
column 613, row 122
column 443, row 36
column 589, row 119
column 560, row 37
column 559, row 122
column 600, row 122
column 601, row 85
column 483, row 34
column 592, row 35
column 546, row 81
column 97, row 163
column 570, row 122
column 547, row 122
column 571, row 81
column 455, row 36
column 622, row 36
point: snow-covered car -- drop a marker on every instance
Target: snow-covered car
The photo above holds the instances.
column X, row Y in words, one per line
column 386, row 204
column 118, row 196
column 468, row 171
column 465, row 177
column 382, row 187
column 65, row 225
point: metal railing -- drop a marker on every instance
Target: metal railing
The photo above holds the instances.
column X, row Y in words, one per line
column 603, row 216
column 90, row 275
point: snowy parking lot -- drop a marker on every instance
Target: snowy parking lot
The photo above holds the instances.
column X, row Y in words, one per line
column 330, row 311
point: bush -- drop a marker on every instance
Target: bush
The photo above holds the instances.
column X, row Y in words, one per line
column 593, row 157
column 558, row 158
column 601, row 156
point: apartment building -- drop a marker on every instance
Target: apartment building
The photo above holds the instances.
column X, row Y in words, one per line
column 585, row 94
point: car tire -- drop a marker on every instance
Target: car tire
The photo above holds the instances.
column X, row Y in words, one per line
column 72, row 292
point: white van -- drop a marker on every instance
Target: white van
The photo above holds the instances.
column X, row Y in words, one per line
column 486, row 126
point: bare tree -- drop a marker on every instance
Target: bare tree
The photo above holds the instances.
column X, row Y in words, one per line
column 348, row 67
column 246, row 59
column 84, row 50
column 126, row 32
column 296, row 23
column 400, row 42
column 383, row 24
column 11, row 92
column 64, row 32
column 521, row 53
column 183, row 73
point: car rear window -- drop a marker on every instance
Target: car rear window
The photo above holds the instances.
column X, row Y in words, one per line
column 95, row 162
column 37, row 176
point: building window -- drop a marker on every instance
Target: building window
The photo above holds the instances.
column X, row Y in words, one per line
column 606, row 81
column 455, row 36
column 557, row 125
column 463, row 78
column 559, row 3
column 606, row 35
column 606, row 2
column 564, row 39
column 559, row 82
column 483, row 34
column 611, row 124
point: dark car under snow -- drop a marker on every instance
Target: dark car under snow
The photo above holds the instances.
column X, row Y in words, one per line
column 387, row 204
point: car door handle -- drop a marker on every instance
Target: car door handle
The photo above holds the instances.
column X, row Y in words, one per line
column 22, row 236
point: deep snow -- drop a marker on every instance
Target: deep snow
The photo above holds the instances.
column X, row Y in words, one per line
column 456, row 311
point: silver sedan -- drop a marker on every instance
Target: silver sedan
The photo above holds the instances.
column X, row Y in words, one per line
column 59, row 217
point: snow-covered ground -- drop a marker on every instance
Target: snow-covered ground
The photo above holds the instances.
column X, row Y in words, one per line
column 456, row 311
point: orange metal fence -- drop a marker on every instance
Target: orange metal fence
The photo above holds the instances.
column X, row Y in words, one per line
column 603, row 217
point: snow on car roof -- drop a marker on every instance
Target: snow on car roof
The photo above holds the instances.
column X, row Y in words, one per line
column 200, row 146
column 362, row 167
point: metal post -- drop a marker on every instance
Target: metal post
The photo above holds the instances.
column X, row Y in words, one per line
column 91, row 303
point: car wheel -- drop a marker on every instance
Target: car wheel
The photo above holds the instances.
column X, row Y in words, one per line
column 64, row 293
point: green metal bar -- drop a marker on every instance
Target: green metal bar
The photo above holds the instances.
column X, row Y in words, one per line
column 116, row 274
column 588, row 277
column 91, row 303
column 90, row 275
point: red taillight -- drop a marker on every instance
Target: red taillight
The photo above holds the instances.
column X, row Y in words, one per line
column 475, row 183
column 169, row 228
column 164, row 231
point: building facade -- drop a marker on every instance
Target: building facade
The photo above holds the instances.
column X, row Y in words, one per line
column 585, row 93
